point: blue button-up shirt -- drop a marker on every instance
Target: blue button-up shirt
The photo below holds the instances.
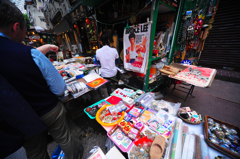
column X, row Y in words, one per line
column 49, row 72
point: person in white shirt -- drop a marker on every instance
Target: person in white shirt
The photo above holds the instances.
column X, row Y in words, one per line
column 107, row 56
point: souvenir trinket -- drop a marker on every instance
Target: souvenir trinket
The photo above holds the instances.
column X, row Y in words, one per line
column 88, row 109
column 233, row 132
column 209, row 132
column 230, row 137
column 213, row 140
column 126, row 142
column 132, row 135
column 226, row 141
column 184, row 115
column 134, row 131
column 128, row 117
column 233, row 145
column 122, row 124
column 225, row 146
column 235, row 141
column 219, row 140
column 126, row 129
column 119, row 136
column 213, row 136
column 227, row 133
column 141, row 134
column 138, row 125
column 219, row 134
column 137, row 104
column 113, row 130
column 210, row 122
column 107, row 119
column 236, row 137
column 217, row 125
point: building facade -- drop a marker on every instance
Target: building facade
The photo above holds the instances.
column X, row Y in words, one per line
column 20, row 4
column 35, row 14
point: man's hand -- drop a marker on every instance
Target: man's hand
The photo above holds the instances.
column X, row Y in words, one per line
column 45, row 48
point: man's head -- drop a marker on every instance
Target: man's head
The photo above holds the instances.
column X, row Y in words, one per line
column 131, row 38
column 12, row 22
column 104, row 39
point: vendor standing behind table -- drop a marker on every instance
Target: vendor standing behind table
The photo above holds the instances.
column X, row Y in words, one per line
column 38, row 82
column 107, row 56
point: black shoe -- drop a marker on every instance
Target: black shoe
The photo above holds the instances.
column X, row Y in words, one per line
column 80, row 149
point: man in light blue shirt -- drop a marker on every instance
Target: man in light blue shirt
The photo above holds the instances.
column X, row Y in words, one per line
column 37, row 80
column 49, row 72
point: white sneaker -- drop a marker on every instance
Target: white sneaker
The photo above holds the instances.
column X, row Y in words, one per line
column 120, row 82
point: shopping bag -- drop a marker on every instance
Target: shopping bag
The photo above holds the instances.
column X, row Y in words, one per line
column 58, row 153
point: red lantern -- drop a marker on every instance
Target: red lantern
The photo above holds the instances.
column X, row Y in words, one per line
column 88, row 21
column 76, row 27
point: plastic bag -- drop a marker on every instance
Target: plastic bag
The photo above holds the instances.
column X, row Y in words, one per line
column 58, row 153
column 109, row 144
column 92, row 151
column 189, row 146
column 169, row 107
column 146, row 99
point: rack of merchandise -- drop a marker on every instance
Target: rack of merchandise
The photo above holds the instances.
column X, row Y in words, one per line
column 154, row 14
column 193, row 26
column 198, row 8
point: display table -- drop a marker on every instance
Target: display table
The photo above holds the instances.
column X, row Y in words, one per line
column 198, row 129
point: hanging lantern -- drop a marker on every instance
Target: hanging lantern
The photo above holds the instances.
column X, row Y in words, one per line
column 88, row 21
column 76, row 27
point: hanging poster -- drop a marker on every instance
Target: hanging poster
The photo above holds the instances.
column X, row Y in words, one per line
column 136, row 47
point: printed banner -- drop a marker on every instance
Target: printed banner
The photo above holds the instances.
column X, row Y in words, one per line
column 136, row 47
column 198, row 76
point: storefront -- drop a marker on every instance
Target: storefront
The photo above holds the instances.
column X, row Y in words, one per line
column 85, row 28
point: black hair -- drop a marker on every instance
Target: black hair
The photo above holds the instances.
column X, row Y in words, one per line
column 104, row 38
column 9, row 14
column 131, row 35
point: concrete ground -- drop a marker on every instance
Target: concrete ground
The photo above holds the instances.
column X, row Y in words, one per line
column 221, row 100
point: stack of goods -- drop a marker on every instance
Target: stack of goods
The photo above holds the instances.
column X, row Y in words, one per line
column 145, row 99
column 169, row 107
column 221, row 135
column 122, row 93
column 125, row 133
column 92, row 109
column 76, row 87
column 94, row 81
column 71, row 71
column 189, row 115
column 162, row 123
column 110, row 115
column 136, row 94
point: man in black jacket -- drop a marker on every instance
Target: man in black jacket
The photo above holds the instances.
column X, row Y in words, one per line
column 17, row 120
column 30, row 72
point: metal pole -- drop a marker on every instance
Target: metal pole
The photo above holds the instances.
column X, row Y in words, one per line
column 154, row 14
column 176, row 28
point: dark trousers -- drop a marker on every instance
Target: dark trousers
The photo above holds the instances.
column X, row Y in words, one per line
column 36, row 146
column 108, row 85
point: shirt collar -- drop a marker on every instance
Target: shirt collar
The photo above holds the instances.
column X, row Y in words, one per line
column 3, row 35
